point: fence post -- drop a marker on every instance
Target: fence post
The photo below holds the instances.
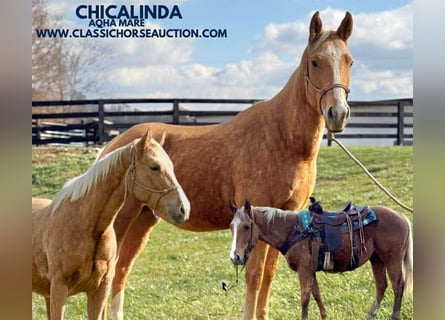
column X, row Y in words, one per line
column 400, row 122
column 176, row 111
column 101, row 122
column 38, row 135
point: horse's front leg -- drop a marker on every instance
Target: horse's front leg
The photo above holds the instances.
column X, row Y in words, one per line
column 48, row 307
column 132, row 245
column 58, row 296
column 270, row 267
column 97, row 300
column 306, row 278
column 254, row 277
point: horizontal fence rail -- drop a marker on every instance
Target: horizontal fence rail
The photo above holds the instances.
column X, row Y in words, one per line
column 98, row 121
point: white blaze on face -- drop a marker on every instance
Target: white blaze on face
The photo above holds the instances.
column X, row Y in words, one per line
column 184, row 200
column 235, row 222
column 164, row 158
column 336, row 53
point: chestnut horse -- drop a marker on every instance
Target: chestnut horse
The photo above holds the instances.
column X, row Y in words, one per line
column 272, row 145
column 387, row 244
column 73, row 241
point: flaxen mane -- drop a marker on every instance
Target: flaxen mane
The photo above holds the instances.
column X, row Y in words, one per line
column 77, row 187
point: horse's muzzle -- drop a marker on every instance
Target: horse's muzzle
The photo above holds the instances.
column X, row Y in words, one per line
column 337, row 117
column 179, row 215
column 240, row 260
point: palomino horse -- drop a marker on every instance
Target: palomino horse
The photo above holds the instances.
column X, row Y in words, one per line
column 74, row 243
column 222, row 162
column 386, row 242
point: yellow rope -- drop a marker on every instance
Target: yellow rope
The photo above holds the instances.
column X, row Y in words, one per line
column 331, row 137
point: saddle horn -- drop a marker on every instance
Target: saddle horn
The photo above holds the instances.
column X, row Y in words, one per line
column 315, row 206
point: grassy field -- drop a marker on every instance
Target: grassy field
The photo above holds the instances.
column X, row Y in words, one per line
column 179, row 274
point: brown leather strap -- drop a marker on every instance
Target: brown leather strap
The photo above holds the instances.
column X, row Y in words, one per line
column 323, row 91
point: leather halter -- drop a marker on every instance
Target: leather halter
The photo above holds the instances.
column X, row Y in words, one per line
column 325, row 90
column 131, row 173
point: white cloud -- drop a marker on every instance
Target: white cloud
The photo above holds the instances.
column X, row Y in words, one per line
column 389, row 30
column 258, row 78
column 381, row 84
column 381, row 44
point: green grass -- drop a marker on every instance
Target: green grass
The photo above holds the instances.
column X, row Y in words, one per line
column 179, row 274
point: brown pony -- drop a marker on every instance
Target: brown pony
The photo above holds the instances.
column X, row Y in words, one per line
column 272, row 145
column 386, row 242
column 73, row 241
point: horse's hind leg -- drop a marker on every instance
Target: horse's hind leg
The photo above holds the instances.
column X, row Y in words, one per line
column 379, row 271
column 132, row 245
column 398, row 285
column 317, row 296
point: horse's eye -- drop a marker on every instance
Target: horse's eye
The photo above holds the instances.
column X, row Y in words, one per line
column 352, row 62
column 314, row 63
column 155, row 167
column 246, row 228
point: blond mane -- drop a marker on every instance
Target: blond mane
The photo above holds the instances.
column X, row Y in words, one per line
column 79, row 186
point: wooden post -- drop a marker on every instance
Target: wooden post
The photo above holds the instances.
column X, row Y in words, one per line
column 400, row 122
column 38, row 135
column 101, row 123
column 175, row 111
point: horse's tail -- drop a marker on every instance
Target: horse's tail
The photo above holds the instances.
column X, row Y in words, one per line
column 407, row 269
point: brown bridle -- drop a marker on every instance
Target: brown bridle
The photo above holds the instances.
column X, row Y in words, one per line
column 325, row 90
column 131, row 174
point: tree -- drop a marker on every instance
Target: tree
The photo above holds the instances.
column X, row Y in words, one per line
column 64, row 68
column 85, row 63
column 48, row 69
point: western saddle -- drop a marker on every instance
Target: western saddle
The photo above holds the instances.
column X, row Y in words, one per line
column 333, row 224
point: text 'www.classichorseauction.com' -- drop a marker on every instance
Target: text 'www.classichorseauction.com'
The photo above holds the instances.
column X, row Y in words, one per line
column 131, row 33
column 128, row 21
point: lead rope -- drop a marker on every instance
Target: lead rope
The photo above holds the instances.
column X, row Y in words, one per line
column 331, row 137
column 224, row 284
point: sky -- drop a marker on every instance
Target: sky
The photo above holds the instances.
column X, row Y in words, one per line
column 264, row 44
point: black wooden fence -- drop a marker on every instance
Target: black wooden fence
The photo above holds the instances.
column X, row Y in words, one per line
column 97, row 121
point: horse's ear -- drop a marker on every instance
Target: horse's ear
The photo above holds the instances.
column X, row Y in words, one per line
column 147, row 136
column 162, row 140
column 248, row 208
column 232, row 207
column 345, row 29
column 145, row 139
column 316, row 27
